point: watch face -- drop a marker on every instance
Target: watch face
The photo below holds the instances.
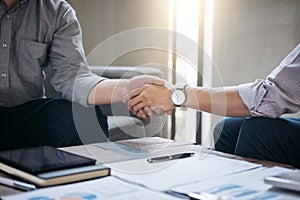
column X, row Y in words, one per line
column 178, row 97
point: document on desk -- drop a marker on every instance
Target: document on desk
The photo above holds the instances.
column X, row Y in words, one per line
column 162, row 176
column 108, row 188
column 140, row 147
column 240, row 186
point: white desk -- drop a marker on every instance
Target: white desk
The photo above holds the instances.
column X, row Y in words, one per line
column 111, row 153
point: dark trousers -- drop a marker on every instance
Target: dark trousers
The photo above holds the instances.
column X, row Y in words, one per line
column 54, row 122
column 275, row 140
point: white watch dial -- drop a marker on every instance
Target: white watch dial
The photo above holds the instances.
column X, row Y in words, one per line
column 178, row 97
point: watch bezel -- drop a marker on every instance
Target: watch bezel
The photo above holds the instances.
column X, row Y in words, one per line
column 174, row 99
column 179, row 88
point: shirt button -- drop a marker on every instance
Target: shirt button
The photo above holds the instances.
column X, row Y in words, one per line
column 6, row 16
column 4, row 45
column 3, row 75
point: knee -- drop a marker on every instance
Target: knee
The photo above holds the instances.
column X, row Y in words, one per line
column 228, row 128
column 254, row 136
column 91, row 124
column 218, row 128
column 226, row 133
column 257, row 127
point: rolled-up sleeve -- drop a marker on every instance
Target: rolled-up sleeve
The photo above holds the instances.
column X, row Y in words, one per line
column 71, row 74
column 279, row 93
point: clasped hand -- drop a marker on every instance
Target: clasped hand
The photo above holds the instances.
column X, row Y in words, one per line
column 147, row 96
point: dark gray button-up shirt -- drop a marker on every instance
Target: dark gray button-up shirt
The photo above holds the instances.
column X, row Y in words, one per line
column 279, row 93
column 36, row 34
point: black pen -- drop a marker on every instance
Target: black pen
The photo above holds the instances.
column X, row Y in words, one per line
column 169, row 157
column 194, row 196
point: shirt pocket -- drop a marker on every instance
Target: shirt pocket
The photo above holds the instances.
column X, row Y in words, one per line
column 32, row 59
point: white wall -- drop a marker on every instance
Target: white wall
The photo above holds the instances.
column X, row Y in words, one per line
column 250, row 39
column 101, row 19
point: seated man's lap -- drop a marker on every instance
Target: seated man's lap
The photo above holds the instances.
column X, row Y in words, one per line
column 270, row 139
column 54, row 122
column 226, row 134
column 267, row 139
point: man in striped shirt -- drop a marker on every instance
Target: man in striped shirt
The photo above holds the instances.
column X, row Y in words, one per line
column 256, row 130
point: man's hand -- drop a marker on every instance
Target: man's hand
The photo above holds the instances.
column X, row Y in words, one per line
column 116, row 90
column 137, row 82
column 156, row 97
column 147, row 112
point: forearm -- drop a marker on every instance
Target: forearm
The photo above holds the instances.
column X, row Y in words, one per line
column 111, row 91
column 107, row 92
column 220, row 101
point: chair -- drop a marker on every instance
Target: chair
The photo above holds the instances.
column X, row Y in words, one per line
column 122, row 123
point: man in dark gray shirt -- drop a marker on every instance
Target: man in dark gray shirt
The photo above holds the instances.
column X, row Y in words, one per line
column 34, row 35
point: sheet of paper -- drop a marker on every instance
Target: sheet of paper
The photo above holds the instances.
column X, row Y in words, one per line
column 165, row 175
column 139, row 148
column 108, row 188
column 102, row 155
column 152, row 144
column 244, row 185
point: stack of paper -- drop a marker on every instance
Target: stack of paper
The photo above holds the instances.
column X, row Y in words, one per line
column 108, row 188
column 165, row 175
column 242, row 186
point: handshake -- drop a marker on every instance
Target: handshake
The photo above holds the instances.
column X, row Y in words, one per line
column 147, row 96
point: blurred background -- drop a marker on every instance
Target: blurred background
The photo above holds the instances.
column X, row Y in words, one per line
column 239, row 41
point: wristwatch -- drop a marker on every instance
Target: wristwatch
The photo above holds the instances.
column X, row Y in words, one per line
column 179, row 96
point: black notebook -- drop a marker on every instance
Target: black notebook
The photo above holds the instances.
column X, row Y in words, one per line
column 46, row 166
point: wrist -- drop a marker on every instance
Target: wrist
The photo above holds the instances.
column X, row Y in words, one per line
column 122, row 88
column 188, row 92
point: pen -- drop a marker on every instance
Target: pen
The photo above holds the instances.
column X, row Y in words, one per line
column 194, row 196
column 16, row 184
column 169, row 157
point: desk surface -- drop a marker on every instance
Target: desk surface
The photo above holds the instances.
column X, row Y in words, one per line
column 115, row 152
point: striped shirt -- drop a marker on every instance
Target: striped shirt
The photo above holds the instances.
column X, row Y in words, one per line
column 279, row 93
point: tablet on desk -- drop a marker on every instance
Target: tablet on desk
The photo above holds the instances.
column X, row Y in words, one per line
column 286, row 180
column 46, row 165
